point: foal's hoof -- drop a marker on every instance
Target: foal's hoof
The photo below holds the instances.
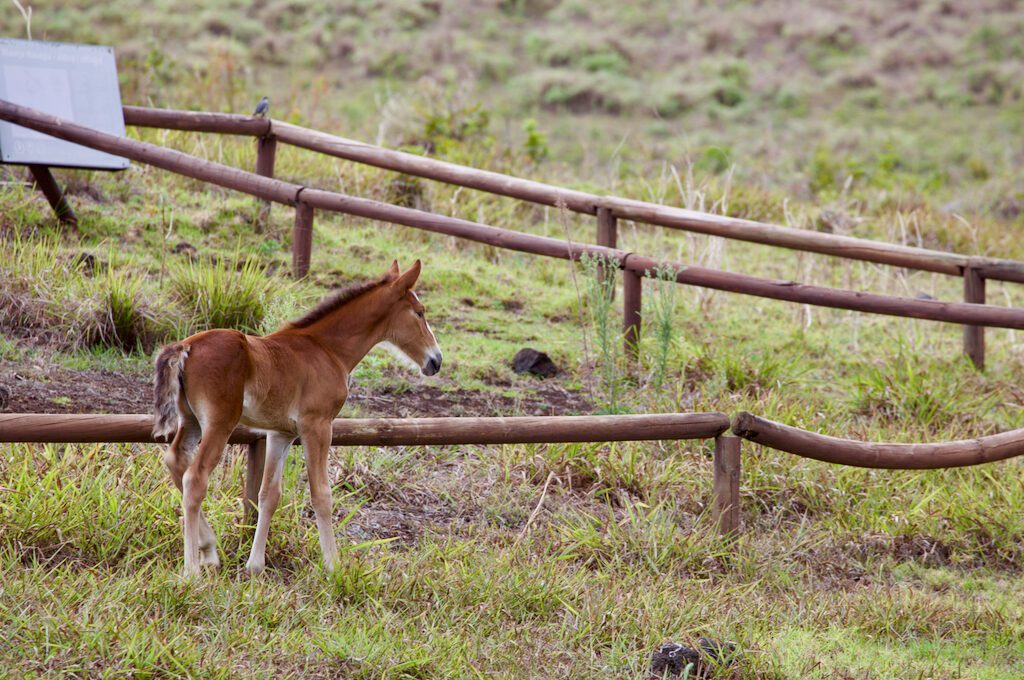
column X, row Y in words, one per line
column 191, row 573
column 254, row 568
column 209, row 558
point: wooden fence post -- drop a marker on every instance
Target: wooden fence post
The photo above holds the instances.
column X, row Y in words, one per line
column 974, row 336
column 632, row 292
column 302, row 239
column 266, row 152
column 46, row 183
column 725, row 503
column 256, row 455
column 607, row 228
column 607, row 235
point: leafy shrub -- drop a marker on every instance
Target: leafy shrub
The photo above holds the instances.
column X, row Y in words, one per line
column 584, row 51
column 732, row 85
column 584, row 92
column 536, row 144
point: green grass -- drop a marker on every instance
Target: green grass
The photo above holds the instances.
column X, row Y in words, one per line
column 91, row 548
column 217, row 295
column 842, row 122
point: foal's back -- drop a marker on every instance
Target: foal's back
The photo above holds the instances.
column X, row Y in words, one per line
column 263, row 382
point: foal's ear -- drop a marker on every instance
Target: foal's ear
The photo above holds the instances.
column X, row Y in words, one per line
column 407, row 280
column 393, row 272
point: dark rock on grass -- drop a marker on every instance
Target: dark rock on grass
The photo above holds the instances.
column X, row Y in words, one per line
column 537, row 363
column 87, row 261
column 187, row 249
column 672, row 659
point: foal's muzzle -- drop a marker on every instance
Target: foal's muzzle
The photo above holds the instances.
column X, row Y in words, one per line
column 433, row 363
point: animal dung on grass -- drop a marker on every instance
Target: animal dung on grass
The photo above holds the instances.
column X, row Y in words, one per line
column 672, row 659
column 528, row 360
column 187, row 249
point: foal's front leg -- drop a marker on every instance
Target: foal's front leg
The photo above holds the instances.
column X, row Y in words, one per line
column 177, row 458
column 316, row 442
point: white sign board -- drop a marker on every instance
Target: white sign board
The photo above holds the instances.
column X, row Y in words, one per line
column 75, row 82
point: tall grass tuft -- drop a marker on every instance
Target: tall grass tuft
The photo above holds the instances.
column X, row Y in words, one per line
column 600, row 295
column 927, row 393
column 124, row 318
column 664, row 302
column 217, row 296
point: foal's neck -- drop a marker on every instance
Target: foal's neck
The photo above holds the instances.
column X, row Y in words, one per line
column 352, row 330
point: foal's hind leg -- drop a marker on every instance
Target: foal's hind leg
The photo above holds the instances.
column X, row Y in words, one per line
column 179, row 452
column 177, row 458
column 200, row 541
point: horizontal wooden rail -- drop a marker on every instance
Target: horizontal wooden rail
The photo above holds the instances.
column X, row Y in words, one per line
column 282, row 192
column 453, row 226
column 649, row 213
column 879, row 455
column 196, row 121
column 954, row 312
column 581, row 201
column 934, row 310
column 152, row 154
column 89, row 428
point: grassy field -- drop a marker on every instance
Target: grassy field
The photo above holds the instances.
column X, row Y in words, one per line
column 900, row 123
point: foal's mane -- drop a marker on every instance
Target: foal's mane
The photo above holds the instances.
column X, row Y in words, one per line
column 334, row 301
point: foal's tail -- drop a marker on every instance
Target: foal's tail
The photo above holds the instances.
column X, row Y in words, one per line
column 170, row 363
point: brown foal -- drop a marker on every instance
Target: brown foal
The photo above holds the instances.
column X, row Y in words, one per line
column 288, row 384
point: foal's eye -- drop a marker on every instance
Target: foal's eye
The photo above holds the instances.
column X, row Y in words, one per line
column 420, row 314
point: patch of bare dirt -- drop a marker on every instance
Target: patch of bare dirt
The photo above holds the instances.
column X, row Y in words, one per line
column 40, row 386
column 846, row 561
column 44, row 388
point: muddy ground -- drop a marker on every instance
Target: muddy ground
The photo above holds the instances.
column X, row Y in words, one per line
column 41, row 386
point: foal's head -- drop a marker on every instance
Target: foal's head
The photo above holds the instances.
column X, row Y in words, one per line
column 405, row 323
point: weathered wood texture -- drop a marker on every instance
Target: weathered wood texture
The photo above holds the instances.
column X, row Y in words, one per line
column 411, row 164
column 579, row 201
column 607, row 235
column 87, row 428
column 281, row 192
column 453, row 226
column 974, row 336
column 650, row 213
column 196, row 121
column 47, row 183
column 151, row 154
column 266, row 153
column 725, row 503
column 607, row 228
column 302, row 239
column 935, row 310
column 879, row 455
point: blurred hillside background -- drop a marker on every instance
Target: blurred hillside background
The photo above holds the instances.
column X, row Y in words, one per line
column 868, row 104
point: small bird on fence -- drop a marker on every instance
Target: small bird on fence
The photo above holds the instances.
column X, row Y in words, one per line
column 262, row 108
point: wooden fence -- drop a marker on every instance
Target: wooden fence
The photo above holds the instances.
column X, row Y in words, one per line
column 973, row 314
column 90, row 428
column 434, row 431
column 608, row 209
column 725, row 505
